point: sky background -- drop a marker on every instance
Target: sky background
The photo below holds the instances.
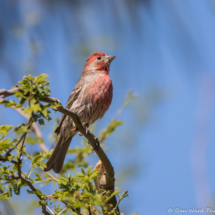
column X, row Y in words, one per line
column 164, row 152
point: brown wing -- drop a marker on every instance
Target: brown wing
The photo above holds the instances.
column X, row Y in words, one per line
column 73, row 96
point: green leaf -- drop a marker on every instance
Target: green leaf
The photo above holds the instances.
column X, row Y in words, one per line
column 5, row 144
column 31, row 140
column 24, row 151
column 41, row 79
column 4, row 129
column 18, row 186
column 36, row 160
column 4, row 197
column 19, row 94
column 41, row 122
column 3, row 101
column 88, row 170
column 20, row 129
column 112, row 194
column 8, row 103
column 40, row 163
column 82, row 170
column 33, row 108
column 94, row 174
column 30, row 191
column 125, row 193
column 56, row 104
column 45, row 113
column 38, row 177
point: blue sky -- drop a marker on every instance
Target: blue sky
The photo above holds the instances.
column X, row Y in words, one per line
column 163, row 49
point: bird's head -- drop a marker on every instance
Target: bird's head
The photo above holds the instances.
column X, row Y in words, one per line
column 99, row 62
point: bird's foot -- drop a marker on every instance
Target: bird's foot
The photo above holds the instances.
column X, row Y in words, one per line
column 96, row 147
column 86, row 126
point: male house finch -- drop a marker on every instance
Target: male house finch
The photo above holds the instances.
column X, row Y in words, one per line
column 90, row 99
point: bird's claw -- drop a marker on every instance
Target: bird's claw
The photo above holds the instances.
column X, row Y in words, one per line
column 96, row 147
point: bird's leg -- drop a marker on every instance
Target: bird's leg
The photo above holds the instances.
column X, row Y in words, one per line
column 86, row 127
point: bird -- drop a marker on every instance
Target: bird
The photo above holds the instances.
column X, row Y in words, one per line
column 90, row 99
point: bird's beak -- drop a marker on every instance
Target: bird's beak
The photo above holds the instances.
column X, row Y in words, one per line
column 109, row 58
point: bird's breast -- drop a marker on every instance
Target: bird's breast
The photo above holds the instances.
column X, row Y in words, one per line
column 101, row 90
column 100, row 95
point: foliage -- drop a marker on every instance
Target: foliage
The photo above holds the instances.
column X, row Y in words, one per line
column 76, row 191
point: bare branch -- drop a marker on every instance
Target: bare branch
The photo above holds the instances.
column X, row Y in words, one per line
column 5, row 93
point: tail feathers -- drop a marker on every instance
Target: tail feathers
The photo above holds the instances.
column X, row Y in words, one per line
column 57, row 158
column 51, row 159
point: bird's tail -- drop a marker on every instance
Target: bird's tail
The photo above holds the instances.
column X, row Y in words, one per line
column 57, row 158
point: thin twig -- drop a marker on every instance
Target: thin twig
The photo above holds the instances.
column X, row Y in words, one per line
column 20, row 151
column 39, row 197
column 66, row 203
column 10, row 178
column 11, row 149
column 5, row 159
column 35, row 128
column 20, row 155
column 50, row 175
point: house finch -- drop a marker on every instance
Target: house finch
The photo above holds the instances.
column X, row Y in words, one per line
column 90, row 99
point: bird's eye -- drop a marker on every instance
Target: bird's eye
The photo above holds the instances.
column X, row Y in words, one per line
column 98, row 58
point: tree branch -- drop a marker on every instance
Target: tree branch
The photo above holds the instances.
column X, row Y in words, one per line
column 39, row 197
column 35, row 127
column 93, row 141
column 11, row 149
column 101, row 185
column 66, row 203
column 91, row 138
column 5, row 93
